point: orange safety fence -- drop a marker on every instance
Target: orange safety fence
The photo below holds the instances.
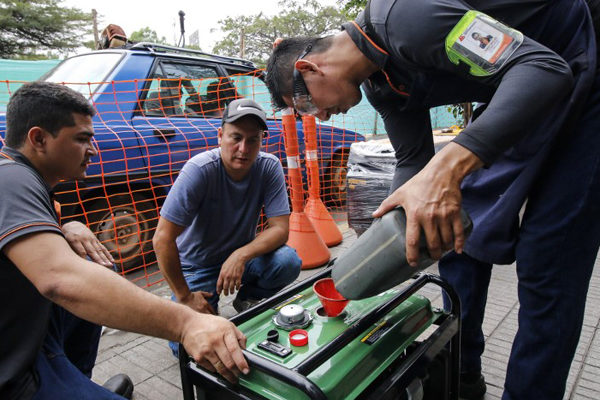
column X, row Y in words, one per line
column 145, row 131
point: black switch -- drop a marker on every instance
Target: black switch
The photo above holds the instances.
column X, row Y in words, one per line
column 275, row 348
column 273, row 335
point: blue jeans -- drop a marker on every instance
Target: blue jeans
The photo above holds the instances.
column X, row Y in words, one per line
column 558, row 241
column 263, row 277
column 64, row 364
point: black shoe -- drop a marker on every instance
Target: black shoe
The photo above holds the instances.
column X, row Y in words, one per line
column 472, row 386
column 243, row 305
column 120, row 384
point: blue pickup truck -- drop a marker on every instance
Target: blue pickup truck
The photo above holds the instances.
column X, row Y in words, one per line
column 157, row 106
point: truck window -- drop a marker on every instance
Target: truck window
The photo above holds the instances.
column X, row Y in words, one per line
column 188, row 90
column 84, row 73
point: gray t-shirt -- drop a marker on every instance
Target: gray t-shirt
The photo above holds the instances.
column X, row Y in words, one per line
column 26, row 207
column 220, row 214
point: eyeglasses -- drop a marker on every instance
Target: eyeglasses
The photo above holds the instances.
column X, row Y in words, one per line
column 301, row 97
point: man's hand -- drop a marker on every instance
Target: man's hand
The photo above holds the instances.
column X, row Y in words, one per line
column 216, row 345
column 230, row 278
column 84, row 243
column 432, row 202
column 197, row 301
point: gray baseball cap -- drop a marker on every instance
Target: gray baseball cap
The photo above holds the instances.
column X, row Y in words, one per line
column 241, row 107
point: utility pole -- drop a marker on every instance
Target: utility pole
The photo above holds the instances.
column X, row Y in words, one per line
column 242, row 45
column 95, row 27
column 467, row 112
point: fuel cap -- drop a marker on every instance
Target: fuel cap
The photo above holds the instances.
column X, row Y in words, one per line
column 292, row 316
column 298, row 337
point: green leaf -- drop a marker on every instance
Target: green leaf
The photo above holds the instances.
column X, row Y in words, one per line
column 34, row 27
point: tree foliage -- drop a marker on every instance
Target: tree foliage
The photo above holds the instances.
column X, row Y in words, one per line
column 302, row 17
column 37, row 26
column 352, row 7
column 146, row 34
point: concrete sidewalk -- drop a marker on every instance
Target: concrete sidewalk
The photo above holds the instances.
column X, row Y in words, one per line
column 155, row 371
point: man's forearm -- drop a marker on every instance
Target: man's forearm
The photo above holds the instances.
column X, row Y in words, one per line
column 454, row 161
column 93, row 292
column 169, row 263
column 267, row 241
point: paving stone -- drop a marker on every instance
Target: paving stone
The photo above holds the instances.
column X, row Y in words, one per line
column 157, row 388
column 494, row 392
column 105, row 354
column 172, row 375
column 578, row 396
column 139, row 396
column 119, row 364
column 152, row 360
column 592, row 394
column 590, row 384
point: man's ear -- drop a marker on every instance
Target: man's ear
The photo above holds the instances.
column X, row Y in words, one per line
column 277, row 41
column 307, row 66
column 219, row 135
column 37, row 138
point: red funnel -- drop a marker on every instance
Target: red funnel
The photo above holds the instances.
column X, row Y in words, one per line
column 333, row 302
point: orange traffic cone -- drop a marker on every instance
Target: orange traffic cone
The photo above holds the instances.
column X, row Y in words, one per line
column 310, row 247
column 315, row 209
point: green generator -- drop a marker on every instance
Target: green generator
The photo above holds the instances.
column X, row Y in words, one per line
column 390, row 346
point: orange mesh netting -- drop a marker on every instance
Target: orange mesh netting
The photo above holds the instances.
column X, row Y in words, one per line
column 145, row 130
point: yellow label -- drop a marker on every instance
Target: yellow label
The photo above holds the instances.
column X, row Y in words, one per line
column 378, row 327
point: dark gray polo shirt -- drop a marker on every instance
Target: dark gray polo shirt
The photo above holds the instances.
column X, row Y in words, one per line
column 26, row 207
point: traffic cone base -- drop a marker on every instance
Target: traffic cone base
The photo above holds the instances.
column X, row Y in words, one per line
column 322, row 221
column 308, row 244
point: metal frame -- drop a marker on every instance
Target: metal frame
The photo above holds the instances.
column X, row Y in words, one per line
column 447, row 334
column 163, row 48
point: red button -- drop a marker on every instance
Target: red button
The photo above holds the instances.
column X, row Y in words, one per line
column 298, row 337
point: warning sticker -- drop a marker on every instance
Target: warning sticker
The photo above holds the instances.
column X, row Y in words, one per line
column 376, row 333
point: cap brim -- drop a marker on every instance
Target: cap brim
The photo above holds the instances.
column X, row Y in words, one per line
column 252, row 113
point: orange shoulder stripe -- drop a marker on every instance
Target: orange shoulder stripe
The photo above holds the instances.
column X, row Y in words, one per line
column 27, row 226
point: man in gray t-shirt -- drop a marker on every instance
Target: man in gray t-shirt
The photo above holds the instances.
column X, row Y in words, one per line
column 205, row 240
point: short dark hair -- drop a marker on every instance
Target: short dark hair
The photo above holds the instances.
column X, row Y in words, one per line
column 47, row 105
column 280, row 67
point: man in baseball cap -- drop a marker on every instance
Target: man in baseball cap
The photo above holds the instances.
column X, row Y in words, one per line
column 205, row 241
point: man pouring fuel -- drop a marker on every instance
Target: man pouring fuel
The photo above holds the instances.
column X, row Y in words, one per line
column 533, row 145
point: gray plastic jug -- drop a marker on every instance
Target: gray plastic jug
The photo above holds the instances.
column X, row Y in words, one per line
column 377, row 260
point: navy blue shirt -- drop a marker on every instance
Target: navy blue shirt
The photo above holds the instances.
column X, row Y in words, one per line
column 530, row 99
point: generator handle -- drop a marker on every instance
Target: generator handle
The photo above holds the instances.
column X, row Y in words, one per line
column 188, row 366
column 329, row 350
column 288, row 376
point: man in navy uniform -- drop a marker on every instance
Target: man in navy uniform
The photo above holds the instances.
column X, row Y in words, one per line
column 533, row 143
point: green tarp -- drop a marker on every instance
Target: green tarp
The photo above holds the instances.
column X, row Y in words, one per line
column 14, row 72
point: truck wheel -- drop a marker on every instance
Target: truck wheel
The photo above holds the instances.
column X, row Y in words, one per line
column 335, row 180
column 126, row 228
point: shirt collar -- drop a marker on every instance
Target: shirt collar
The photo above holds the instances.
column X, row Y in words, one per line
column 357, row 32
column 19, row 157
